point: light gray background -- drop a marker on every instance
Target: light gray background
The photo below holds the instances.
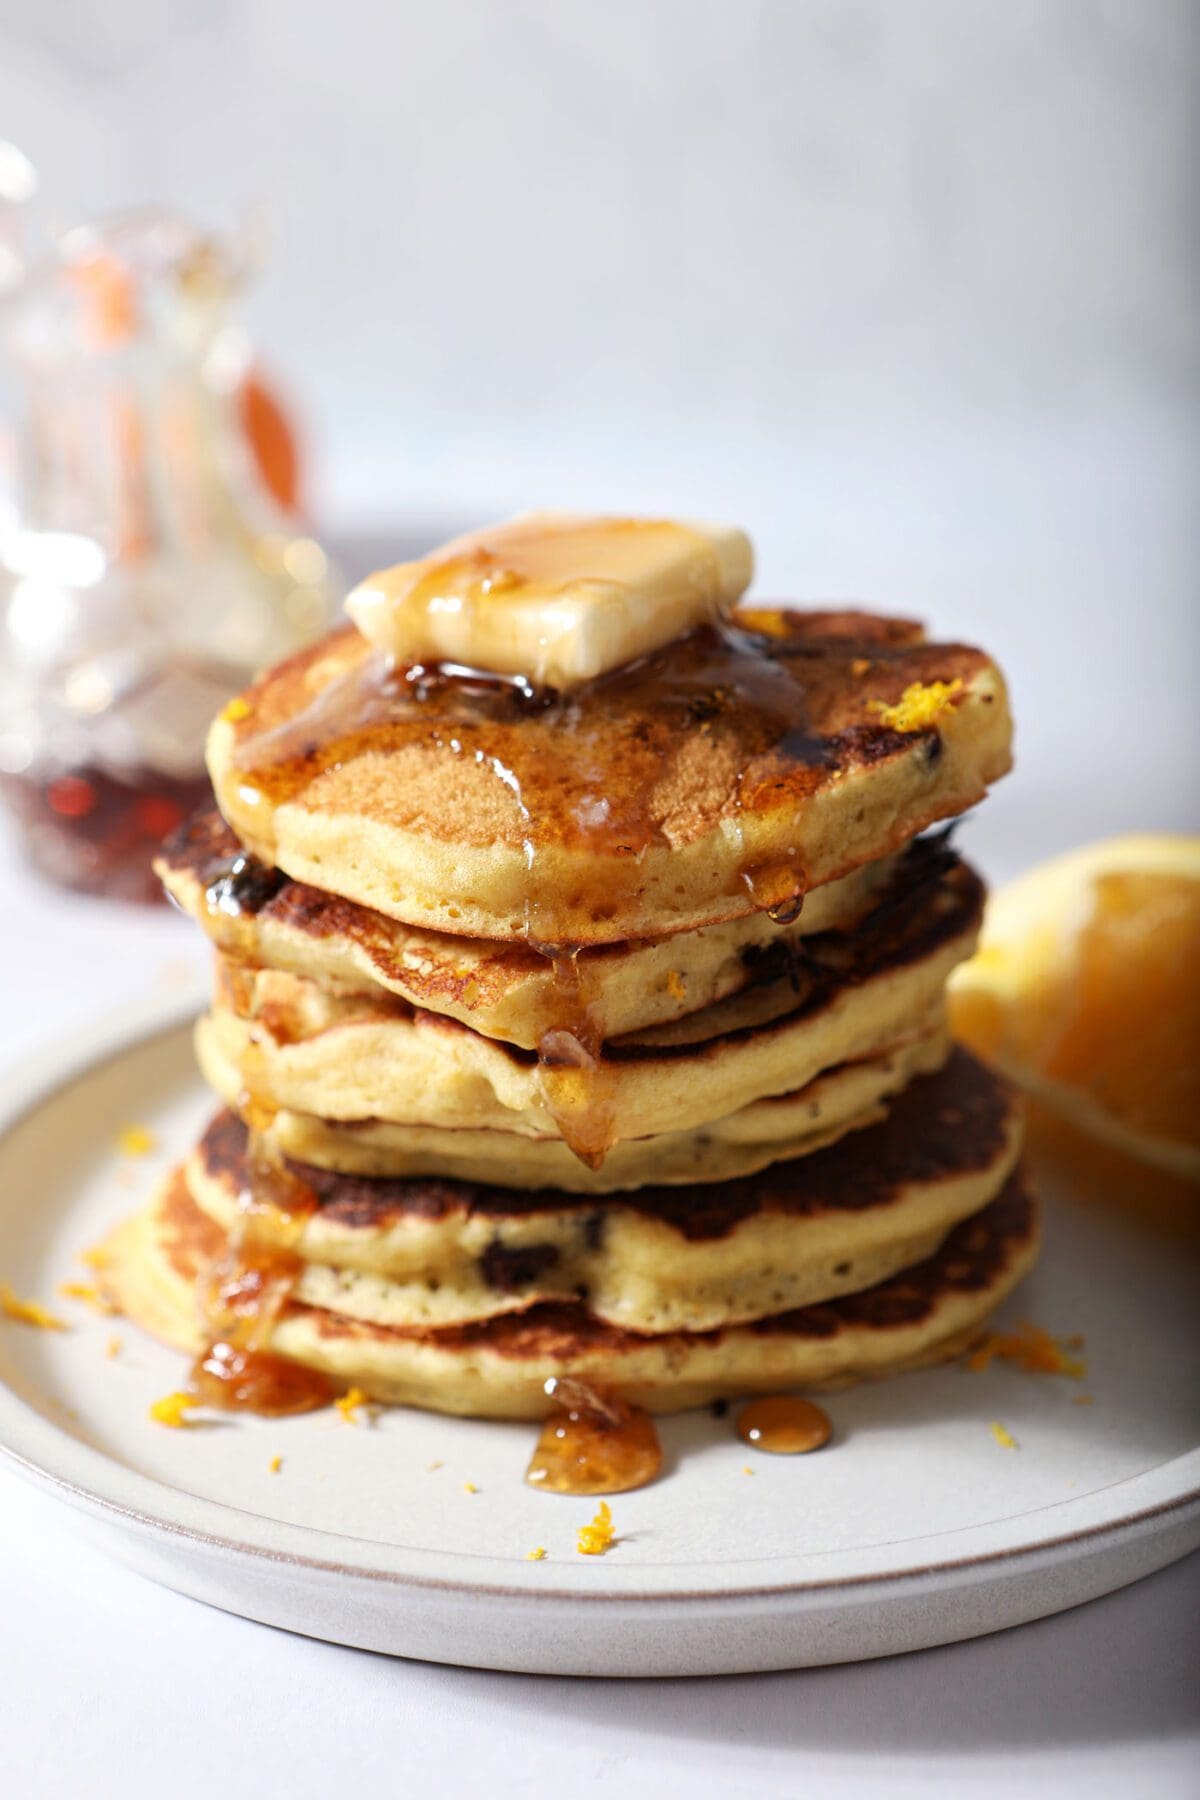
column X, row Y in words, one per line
column 907, row 287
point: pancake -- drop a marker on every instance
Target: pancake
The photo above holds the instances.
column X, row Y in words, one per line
column 504, row 990
column 726, row 774
column 842, row 1099
column 292, row 1044
column 433, row 1252
column 498, row 1369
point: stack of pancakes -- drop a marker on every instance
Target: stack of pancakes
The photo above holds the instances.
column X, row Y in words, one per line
column 599, row 1034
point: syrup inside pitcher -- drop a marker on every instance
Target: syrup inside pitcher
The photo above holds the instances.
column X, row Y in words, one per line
column 153, row 555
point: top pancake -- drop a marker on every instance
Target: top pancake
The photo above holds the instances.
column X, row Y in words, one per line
column 724, row 775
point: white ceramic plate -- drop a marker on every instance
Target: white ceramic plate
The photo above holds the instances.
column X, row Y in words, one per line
column 914, row 1528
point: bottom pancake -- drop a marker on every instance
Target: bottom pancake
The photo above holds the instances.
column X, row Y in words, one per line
column 498, row 1369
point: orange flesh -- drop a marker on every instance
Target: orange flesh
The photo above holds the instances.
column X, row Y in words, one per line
column 1126, row 1019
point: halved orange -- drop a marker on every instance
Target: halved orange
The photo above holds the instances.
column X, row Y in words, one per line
column 1086, row 990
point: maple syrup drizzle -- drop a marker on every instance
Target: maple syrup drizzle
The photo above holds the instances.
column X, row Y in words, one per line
column 244, row 1291
column 593, row 1443
column 579, row 770
column 784, row 1424
column 576, row 1083
column 234, row 894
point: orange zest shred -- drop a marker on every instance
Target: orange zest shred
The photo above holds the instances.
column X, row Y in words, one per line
column 1083, row 1399
column 1031, row 1348
column 275, row 1464
column 28, row 1312
column 136, row 1140
column 676, row 985
column 173, row 1409
column 1003, row 1436
column 88, row 1295
column 918, row 706
column 235, row 710
column 770, row 621
column 537, row 1555
column 597, row 1537
column 352, row 1402
column 112, row 1348
column 469, row 1487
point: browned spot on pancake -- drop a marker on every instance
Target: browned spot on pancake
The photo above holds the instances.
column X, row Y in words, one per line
column 202, row 846
column 189, row 1237
column 945, row 1125
column 509, row 1268
column 972, row 1259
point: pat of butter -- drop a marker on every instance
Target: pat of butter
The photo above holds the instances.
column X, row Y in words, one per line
column 558, row 598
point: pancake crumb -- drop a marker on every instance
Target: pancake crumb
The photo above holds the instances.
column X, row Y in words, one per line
column 918, row 706
column 275, row 1464
column 1083, row 1399
column 430, row 1467
column 1031, row 1348
column 538, row 1555
column 598, row 1536
column 113, row 1348
column 28, row 1312
column 353, row 1402
column 87, row 1295
column 173, row 1409
column 1004, row 1437
column 136, row 1140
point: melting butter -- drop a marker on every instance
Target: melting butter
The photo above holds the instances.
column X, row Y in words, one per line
column 556, row 598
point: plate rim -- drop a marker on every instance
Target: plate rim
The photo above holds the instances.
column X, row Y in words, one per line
column 40, row 1450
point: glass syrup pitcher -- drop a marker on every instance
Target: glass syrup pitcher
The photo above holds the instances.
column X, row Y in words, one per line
column 152, row 558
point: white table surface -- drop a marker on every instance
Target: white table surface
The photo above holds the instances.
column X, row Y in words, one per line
column 111, row 1686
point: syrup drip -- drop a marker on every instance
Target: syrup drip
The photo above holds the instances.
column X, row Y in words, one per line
column 593, row 1443
column 233, row 896
column 777, row 889
column 242, row 1294
column 576, row 1083
column 784, row 1425
column 257, row 1381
